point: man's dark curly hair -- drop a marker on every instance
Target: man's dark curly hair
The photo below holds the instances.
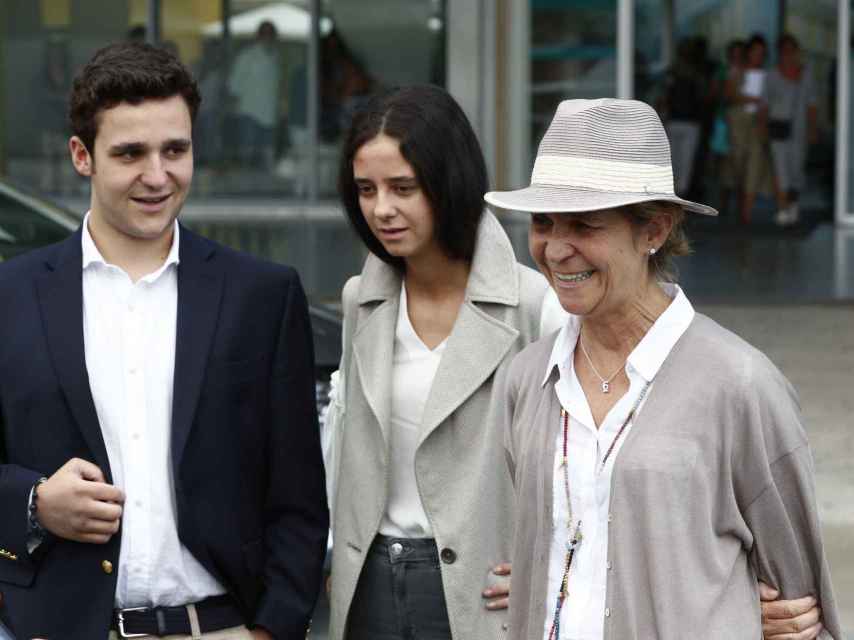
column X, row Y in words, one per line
column 126, row 72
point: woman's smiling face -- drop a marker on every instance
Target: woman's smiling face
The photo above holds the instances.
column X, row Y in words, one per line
column 597, row 262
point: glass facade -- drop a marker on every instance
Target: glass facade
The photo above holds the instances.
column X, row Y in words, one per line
column 573, row 55
column 721, row 148
column 279, row 87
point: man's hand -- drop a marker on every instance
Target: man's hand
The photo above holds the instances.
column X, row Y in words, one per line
column 498, row 596
column 260, row 634
column 788, row 619
column 76, row 504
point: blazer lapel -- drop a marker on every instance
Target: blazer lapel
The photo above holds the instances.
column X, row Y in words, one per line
column 60, row 293
column 199, row 293
column 474, row 350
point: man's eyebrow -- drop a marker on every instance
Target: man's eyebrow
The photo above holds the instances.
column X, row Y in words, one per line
column 126, row 147
column 178, row 142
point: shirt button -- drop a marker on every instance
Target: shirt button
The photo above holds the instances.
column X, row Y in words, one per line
column 138, row 503
column 449, row 556
column 131, row 307
column 607, row 612
column 610, row 517
column 608, row 565
column 504, row 626
column 135, row 436
column 107, row 567
column 132, row 370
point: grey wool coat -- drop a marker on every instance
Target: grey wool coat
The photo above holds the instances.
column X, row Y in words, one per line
column 712, row 489
column 462, row 477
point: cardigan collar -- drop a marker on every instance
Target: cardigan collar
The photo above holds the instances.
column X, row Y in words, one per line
column 492, row 277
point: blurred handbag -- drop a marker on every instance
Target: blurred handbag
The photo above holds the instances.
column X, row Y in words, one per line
column 779, row 130
column 719, row 141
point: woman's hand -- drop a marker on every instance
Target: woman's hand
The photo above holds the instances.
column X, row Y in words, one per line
column 788, row 619
column 498, row 596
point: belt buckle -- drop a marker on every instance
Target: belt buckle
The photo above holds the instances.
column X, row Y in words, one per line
column 120, row 618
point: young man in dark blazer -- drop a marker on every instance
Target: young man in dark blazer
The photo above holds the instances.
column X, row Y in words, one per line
column 160, row 465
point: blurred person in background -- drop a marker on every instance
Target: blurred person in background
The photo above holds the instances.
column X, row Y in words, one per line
column 682, row 107
column 254, row 86
column 789, row 115
column 721, row 140
column 748, row 147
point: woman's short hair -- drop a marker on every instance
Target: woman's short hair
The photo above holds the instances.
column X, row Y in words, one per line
column 437, row 140
column 126, row 72
column 661, row 264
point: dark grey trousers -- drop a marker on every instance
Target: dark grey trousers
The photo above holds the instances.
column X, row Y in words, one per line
column 399, row 595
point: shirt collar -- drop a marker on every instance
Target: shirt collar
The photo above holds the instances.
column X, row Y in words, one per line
column 91, row 254
column 650, row 353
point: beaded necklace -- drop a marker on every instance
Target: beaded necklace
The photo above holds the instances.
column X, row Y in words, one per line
column 574, row 533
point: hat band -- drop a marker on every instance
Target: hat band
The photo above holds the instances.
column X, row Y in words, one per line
column 602, row 175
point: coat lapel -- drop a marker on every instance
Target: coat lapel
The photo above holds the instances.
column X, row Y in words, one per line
column 474, row 350
column 373, row 338
column 60, row 293
column 373, row 347
column 199, row 293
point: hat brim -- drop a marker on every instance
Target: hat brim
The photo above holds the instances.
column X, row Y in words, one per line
column 553, row 199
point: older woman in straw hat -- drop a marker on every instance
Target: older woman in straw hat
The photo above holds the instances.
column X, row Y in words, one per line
column 662, row 458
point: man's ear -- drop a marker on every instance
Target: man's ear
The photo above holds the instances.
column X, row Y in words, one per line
column 83, row 161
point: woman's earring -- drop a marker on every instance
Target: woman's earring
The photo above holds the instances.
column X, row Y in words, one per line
column 652, row 251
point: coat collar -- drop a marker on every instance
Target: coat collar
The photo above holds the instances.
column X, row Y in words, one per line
column 492, row 278
column 478, row 342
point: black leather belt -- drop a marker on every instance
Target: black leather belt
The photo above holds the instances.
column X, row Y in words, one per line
column 215, row 613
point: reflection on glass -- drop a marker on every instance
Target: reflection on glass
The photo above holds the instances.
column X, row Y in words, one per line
column 42, row 44
column 702, row 65
column 252, row 135
column 573, row 55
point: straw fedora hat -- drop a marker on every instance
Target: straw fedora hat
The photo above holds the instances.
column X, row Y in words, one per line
column 598, row 154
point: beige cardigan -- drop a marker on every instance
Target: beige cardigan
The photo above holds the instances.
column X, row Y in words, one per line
column 464, row 485
column 712, row 488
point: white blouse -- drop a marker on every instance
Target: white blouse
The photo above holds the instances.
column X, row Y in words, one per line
column 414, row 367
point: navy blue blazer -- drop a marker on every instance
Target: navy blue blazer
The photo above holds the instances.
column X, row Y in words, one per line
column 246, row 456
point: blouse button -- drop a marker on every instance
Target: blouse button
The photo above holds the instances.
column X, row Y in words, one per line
column 449, row 556
column 107, row 567
column 608, row 565
column 607, row 612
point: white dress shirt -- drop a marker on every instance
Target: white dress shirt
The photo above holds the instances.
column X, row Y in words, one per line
column 414, row 367
column 583, row 614
column 129, row 332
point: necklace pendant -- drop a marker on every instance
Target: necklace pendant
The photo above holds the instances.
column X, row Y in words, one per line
column 606, row 387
